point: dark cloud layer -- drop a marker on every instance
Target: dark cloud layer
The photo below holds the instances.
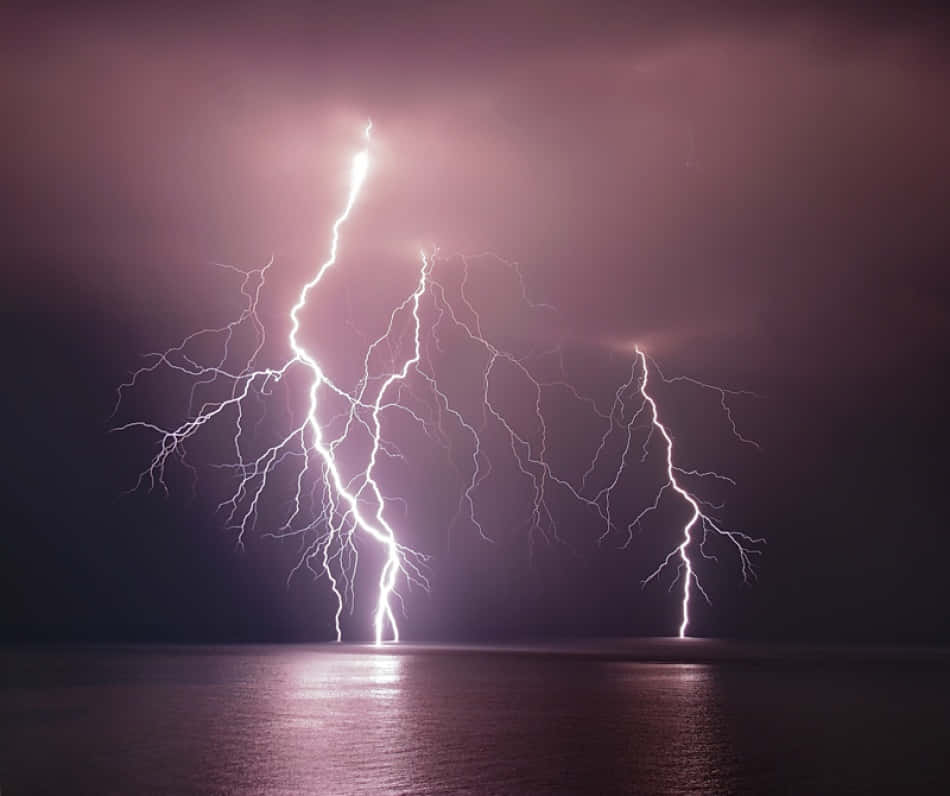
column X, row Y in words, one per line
column 760, row 198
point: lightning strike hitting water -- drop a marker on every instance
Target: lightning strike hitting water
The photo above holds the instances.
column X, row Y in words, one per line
column 353, row 505
column 685, row 570
column 311, row 434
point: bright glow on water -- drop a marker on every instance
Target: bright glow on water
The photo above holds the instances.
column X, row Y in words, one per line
column 278, row 720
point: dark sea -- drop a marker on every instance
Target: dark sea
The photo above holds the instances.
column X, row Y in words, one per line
column 639, row 716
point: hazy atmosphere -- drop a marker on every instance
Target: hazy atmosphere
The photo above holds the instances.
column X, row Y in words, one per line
column 758, row 200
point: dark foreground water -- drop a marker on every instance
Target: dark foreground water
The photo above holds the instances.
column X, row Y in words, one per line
column 620, row 717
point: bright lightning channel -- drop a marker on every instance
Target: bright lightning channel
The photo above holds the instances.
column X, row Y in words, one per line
column 345, row 503
column 685, row 570
column 381, row 531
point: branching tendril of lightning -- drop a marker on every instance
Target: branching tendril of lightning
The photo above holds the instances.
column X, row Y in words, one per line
column 331, row 512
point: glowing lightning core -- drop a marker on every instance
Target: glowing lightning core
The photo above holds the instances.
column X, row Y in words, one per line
column 381, row 531
column 695, row 514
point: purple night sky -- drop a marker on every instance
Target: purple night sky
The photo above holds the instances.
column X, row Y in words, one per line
column 760, row 200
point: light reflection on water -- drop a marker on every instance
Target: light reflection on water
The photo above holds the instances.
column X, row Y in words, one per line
column 501, row 724
column 326, row 677
column 281, row 720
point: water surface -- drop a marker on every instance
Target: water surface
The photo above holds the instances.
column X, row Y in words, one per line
column 617, row 717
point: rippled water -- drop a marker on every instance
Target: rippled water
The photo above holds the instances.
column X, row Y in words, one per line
column 710, row 717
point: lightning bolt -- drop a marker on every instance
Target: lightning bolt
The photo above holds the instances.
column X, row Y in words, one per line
column 334, row 506
column 742, row 542
column 380, row 530
column 344, row 510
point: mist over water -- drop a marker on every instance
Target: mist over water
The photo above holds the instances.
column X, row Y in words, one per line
column 638, row 716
